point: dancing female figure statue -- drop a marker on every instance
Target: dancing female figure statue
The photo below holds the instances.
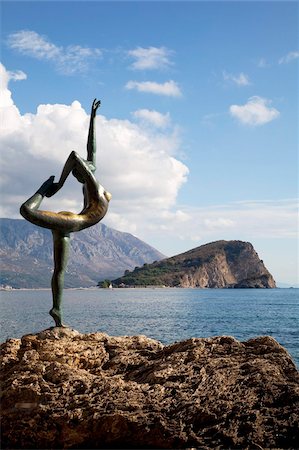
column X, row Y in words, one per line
column 96, row 201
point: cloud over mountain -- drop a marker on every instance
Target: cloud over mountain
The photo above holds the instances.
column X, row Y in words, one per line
column 136, row 164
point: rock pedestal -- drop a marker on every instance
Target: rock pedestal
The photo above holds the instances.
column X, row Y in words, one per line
column 63, row 389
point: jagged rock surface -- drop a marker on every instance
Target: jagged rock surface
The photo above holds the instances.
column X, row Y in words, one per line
column 96, row 253
column 220, row 264
column 63, row 389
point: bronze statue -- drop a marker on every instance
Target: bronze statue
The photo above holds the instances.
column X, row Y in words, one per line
column 96, row 201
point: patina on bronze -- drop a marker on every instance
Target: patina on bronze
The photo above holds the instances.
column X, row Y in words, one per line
column 96, row 200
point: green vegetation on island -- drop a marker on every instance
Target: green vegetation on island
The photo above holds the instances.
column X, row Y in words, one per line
column 155, row 274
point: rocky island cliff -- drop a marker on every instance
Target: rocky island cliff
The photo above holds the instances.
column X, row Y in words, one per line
column 221, row 264
column 63, row 389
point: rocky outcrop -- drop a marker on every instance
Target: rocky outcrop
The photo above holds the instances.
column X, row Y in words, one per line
column 63, row 389
column 221, row 264
column 96, row 253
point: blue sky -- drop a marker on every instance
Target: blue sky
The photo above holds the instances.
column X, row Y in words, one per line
column 198, row 128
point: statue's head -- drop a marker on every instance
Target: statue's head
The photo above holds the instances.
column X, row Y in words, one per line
column 107, row 195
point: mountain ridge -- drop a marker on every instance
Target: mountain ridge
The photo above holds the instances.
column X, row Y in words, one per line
column 96, row 253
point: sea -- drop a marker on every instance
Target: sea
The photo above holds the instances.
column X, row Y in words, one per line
column 165, row 314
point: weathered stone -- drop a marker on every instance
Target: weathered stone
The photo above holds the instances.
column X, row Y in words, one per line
column 63, row 389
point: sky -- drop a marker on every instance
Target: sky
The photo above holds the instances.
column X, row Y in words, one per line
column 197, row 134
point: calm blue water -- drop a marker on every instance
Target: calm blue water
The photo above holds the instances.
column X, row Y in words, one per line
column 165, row 314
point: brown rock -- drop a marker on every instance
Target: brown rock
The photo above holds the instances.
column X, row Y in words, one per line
column 63, row 389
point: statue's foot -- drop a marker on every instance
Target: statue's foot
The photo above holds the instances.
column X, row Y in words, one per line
column 57, row 317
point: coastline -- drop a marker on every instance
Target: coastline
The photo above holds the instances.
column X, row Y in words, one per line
column 96, row 288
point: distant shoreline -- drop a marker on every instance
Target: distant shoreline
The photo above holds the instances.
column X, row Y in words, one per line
column 136, row 287
column 48, row 289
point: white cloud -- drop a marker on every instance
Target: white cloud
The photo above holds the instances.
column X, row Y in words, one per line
column 262, row 63
column 137, row 165
column 241, row 80
column 237, row 220
column 178, row 229
column 257, row 111
column 150, row 58
column 140, row 169
column 152, row 117
column 219, row 222
column 5, row 77
column 17, row 75
column 169, row 88
column 291, row 56
column 67, row 60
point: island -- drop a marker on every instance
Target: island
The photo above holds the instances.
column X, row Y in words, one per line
column 220, row 264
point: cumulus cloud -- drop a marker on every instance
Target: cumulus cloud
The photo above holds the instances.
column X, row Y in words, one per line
column 137, row 165
column 152, row 117
column 6, row 76
column 169, row 88
column 291, row 56
column 241, row 80
column 150, row 58
column 68, row 60
column 257, row 111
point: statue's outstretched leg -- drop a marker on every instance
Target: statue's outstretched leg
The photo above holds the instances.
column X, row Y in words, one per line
column 61, row 243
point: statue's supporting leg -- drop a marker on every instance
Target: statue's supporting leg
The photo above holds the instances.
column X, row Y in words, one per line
column 61, row 242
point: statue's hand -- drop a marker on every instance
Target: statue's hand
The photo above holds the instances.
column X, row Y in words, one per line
column 95, row 105
column 52, row 189
column 46, row 186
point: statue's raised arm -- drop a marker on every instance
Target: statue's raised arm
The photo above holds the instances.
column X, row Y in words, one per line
column 91, row 141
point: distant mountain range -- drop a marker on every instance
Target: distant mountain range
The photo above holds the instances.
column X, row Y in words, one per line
column 221, row 264
column 96, row 253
